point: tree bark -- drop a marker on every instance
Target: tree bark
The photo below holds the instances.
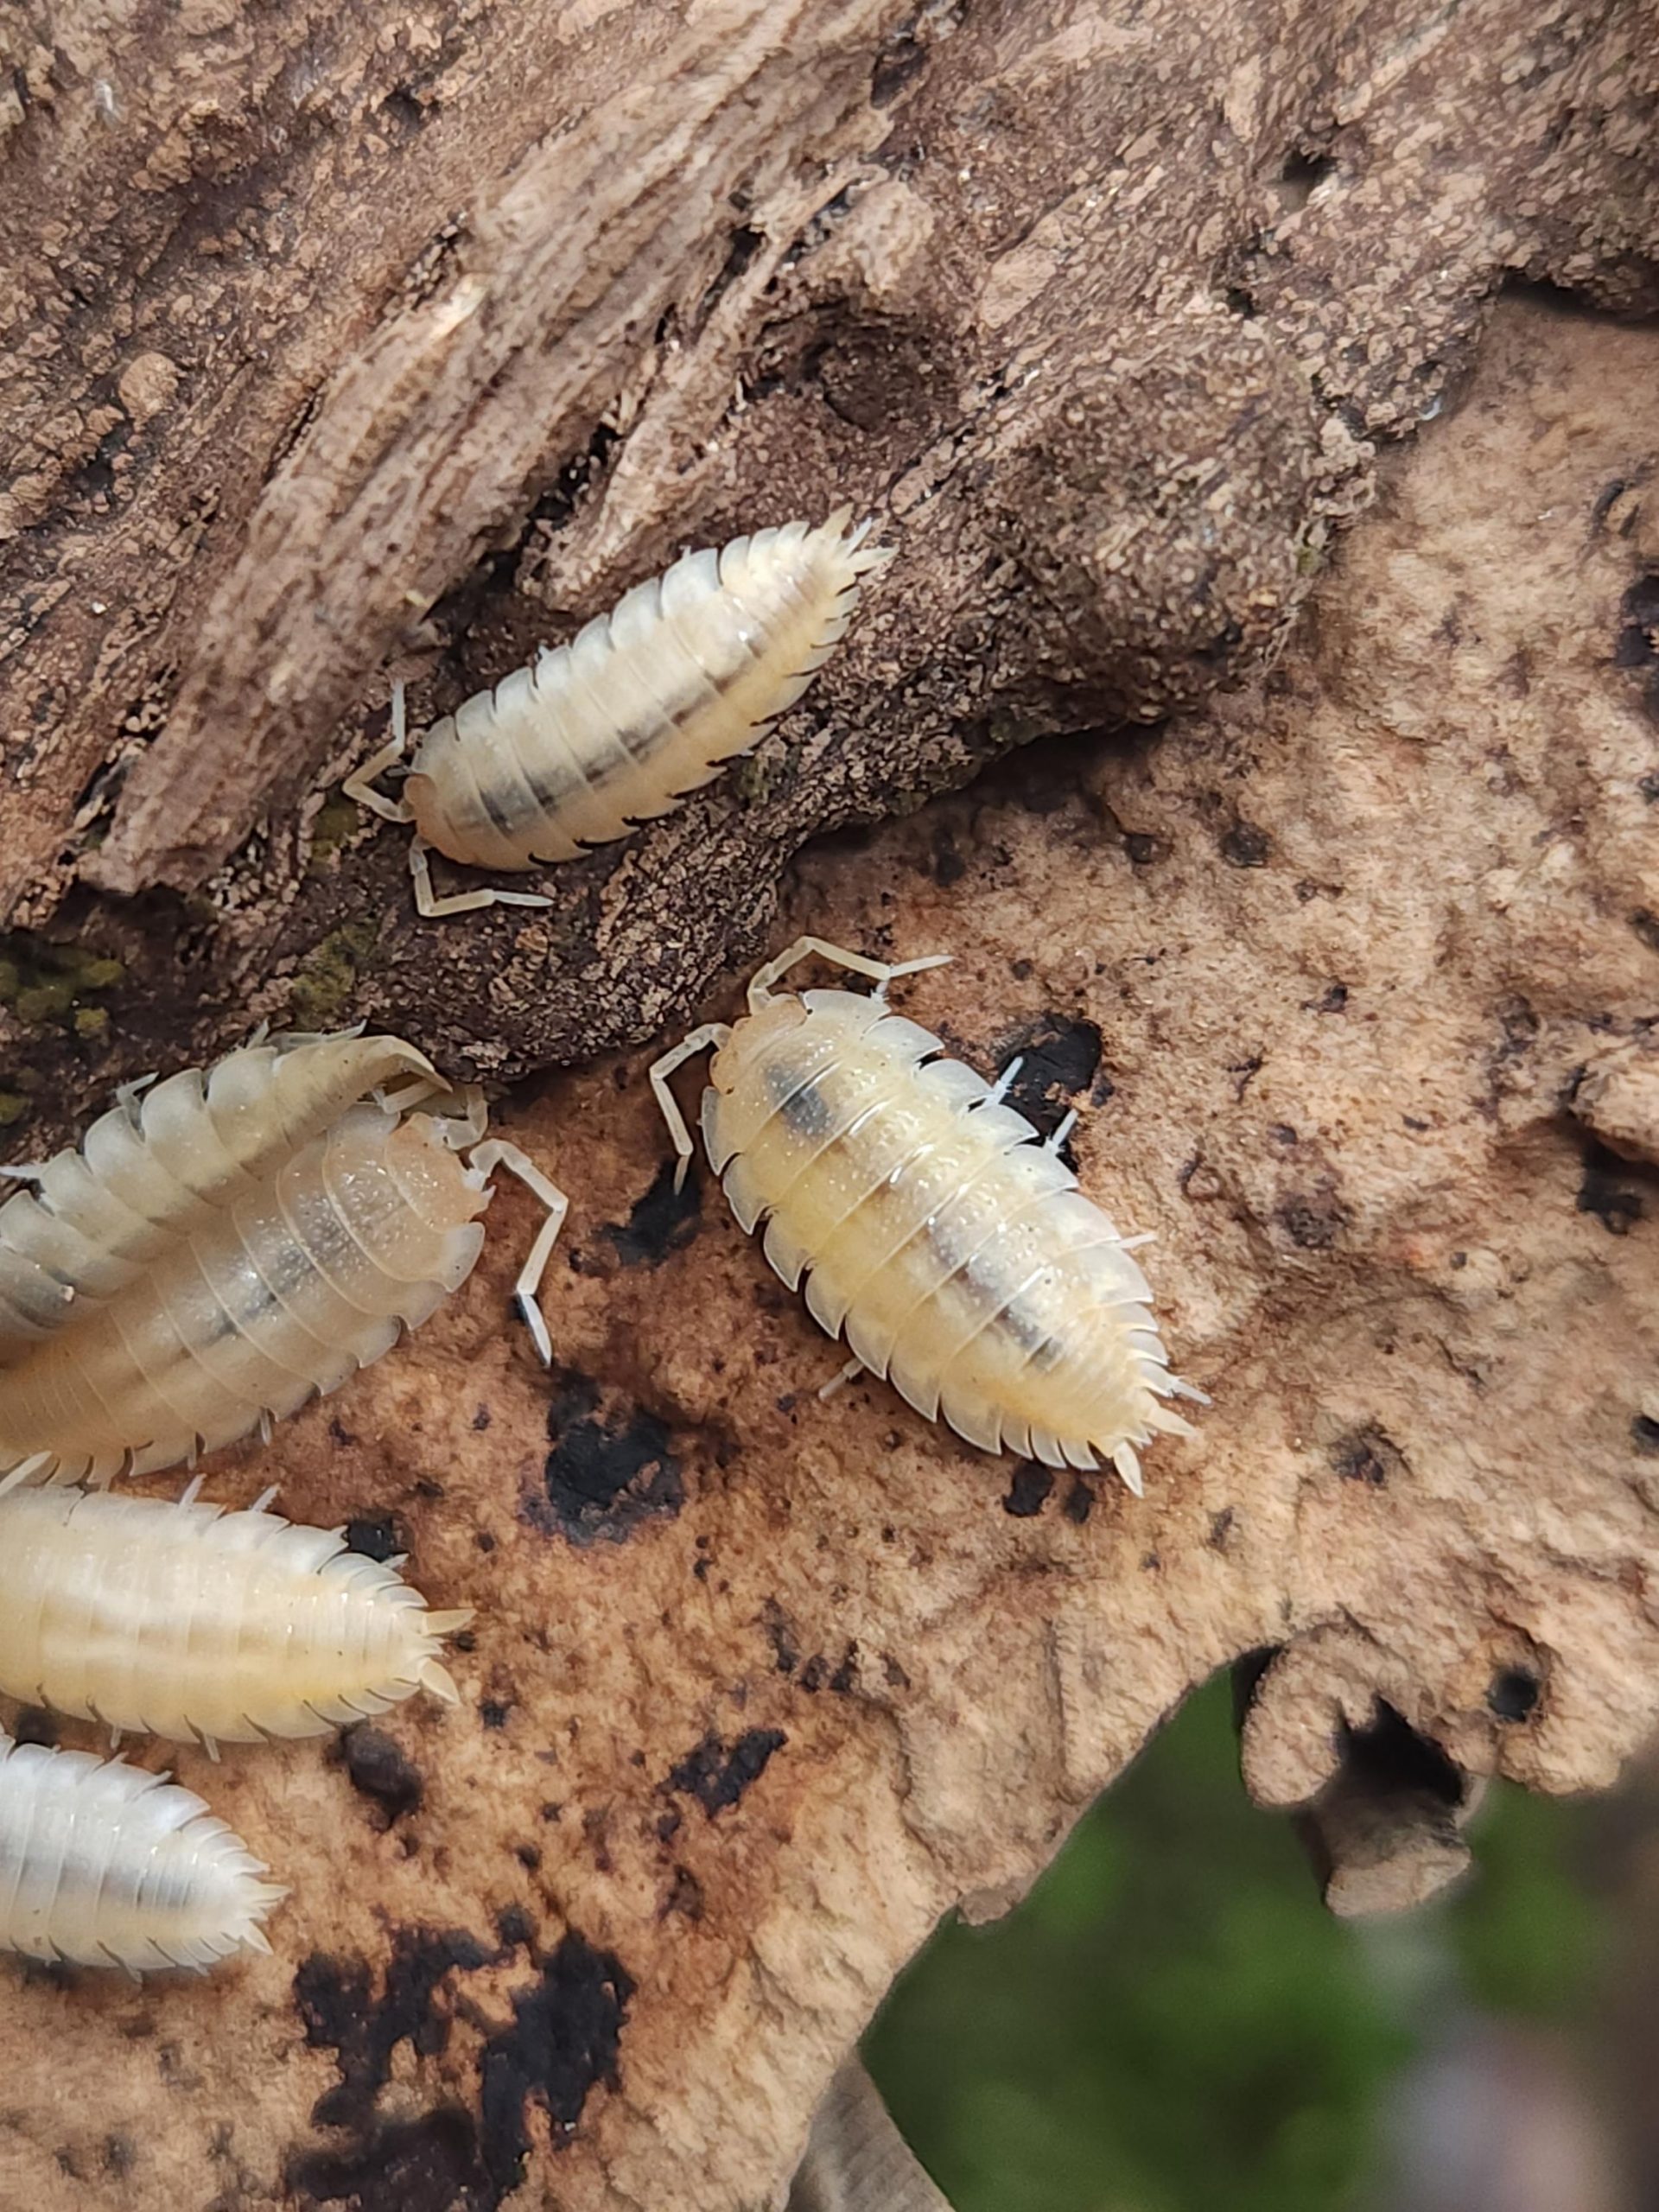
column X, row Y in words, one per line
column 1350, row 968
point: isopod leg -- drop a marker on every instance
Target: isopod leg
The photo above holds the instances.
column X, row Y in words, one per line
column 433, row 908
column 360, row 785
column 839, row 1381
column 1058, row 1136
column 36, row 1463
column 712, row 1032
column 497, row 1153
column 880, row 972
column 1004, row 1084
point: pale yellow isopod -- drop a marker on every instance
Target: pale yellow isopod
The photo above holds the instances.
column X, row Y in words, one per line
column 645, row 705
column 102, row 1864
column 227, row 1245
column 934, row 1228
column 185, row 1621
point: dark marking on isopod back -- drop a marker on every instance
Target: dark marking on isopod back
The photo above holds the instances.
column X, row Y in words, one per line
column 608, row 1470
column 661, row 1221
column 379, row 1769
column 717, row 1774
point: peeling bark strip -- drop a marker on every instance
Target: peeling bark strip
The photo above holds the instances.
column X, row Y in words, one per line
column 489, row 310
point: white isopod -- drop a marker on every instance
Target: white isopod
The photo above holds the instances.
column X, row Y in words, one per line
column 932, row 1227
column 645, row 705
column 185, row 1621
column 227, row 1246
column 102, row 1864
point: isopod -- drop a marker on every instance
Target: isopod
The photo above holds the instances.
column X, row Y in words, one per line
column 185, row 1621
column 103, row 1864
column 645, row 704
column 226, row 1246
column 932, row 1226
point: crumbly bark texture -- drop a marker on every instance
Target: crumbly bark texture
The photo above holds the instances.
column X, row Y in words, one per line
column 761, row 1685
column 342, row 345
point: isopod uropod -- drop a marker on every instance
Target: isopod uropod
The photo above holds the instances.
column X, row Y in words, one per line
column 227, row 1246
column 102, row 1864
column 181, row 1620
column 953, row 1248
column 645, row 705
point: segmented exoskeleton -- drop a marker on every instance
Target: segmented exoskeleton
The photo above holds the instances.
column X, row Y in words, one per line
column 185, row 1621
column 645, row 705
column 224, row 1247
column 951, row 1247
column 102, row 1864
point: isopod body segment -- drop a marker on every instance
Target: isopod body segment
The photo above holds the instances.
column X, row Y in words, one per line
column 225, row 1246
column 931, row 1227
column 183, row 1621
column 102, row 1864
column 645, row 704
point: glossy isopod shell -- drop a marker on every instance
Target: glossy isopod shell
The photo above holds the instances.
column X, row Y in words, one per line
column 224, row 1248
column 645, row 704
column 102, row 1864
column 932, row 1228
column 184, row 1621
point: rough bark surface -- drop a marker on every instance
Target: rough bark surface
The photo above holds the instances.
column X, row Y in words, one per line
column 761, row 1685
column 343, row 340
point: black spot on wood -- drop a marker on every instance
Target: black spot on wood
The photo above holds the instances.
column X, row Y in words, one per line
column 1648, row 787
column 336, row 2002
column 1513, row 1693
column 1332, row 1000
column 1313, row 1219
column 1611, row 1192
column 379, row 1770
column 493, row 1711
column 379, row 1536
column 34, row 1725
column 717, row 1774
column 899, row 63
column 1637, row 645
column 1645, row 923
column 1079, row 1501
column 1644, row 1433
column 1058, row 1058
column 1246, row 846
column 1142, row 847
column 1221, row 1529
column 663, row 1221
column 1393, row 1759
column 1368, row 1455
column 1028, row 1492
column 429, row 2165
column 561, row 2046
column 604, row 1473
column 684, row 1896
column 781, row 1635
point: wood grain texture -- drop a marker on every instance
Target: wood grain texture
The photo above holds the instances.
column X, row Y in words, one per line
column 352, row 344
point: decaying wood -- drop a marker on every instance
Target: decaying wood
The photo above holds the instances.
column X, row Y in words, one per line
column 348, row 343
column 1351, row 969
column 761, row 1684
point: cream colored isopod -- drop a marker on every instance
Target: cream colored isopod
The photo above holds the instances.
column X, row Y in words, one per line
column 951, row 1245
column 184, row 1621
column 646, row 704
column 229, row 1244
column 103, row 1865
